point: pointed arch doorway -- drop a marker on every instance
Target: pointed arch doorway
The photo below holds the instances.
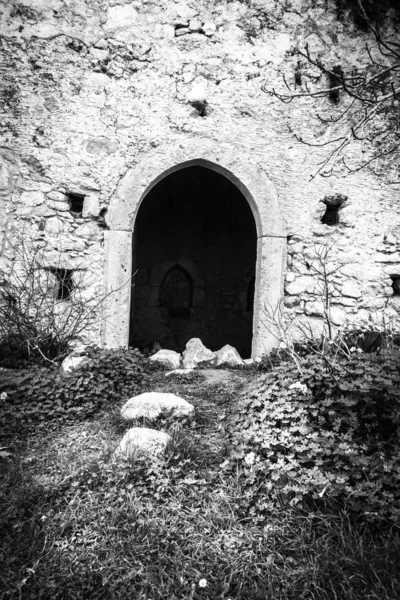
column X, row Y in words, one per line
column 121, row 245
column 195, row 249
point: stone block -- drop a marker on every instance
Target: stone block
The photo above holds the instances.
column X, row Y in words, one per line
column 346, row 301
column 32, row 198
column 305, row 283
column 337, row 315
column 91, row 207
column 351, row 270
column 351, row 289
column 182, row 31
column 88, row 231
column 209, row 28
column 54, row 225
column 100, row 146
column 195, row 25
column 314, row 308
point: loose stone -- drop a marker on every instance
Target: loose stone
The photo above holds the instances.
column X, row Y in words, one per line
column 142, row 440
column 196, row 353
column 152, row 405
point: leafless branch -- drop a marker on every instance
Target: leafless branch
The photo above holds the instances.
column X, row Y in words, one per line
column 371, row 117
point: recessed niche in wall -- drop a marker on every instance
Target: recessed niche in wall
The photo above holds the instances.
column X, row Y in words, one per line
column 395, row 284
column 201, row 106
column 64, row 281
column 176, row 292
column 75, row 202
column 333, row 205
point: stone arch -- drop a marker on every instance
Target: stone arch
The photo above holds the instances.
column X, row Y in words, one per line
column 248, row 176
column 161, row 269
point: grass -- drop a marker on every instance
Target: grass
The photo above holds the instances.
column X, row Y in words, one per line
column 75, row 523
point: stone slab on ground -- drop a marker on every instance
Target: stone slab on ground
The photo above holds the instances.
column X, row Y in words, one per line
column 228, row 355
column 179, row 372
column 142, row 440
column 196, row 353
column 152, row 405
column 169, row 358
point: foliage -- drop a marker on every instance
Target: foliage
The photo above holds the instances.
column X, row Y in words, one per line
column 74, row 523
column 330, row 438
column 44, row 309
column 40, row 395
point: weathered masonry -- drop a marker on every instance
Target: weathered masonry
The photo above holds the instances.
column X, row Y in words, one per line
column 139, row 153
column 265, row 263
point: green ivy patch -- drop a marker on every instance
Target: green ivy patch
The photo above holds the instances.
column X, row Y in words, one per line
column 328, row 438
column 38, row 395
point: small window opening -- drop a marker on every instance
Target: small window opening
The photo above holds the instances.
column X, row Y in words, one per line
column 331, row 216
column 297, row 75
column 65, row 283
column 75, row 202
column 335, row 82
column 333, row 205
column 201, row 106
column 395, row 284
column 250, row 295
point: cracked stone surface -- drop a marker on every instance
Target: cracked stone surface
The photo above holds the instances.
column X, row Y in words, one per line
column 90, row 88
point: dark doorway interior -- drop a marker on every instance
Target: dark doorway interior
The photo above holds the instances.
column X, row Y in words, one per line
column 195, row 255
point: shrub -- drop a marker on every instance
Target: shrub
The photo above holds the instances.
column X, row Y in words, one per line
column 44, row 308
column 331, row 437
column 39, row 394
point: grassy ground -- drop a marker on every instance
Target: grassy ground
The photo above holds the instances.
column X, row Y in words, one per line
column 74, row 523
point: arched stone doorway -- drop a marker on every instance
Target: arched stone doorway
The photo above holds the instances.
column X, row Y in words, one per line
column 248, row 177
column 195, row 241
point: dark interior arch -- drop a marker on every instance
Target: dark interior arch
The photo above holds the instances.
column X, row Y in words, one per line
column 193, row 216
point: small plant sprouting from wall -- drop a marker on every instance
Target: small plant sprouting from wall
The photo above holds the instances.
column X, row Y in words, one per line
column 333, row 205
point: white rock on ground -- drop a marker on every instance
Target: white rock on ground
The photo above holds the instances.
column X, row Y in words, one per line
column 249, row 361
column 72, row 362
column 228, row 355
column 169, row 358
column 179, row 372
column 196, row 353
column 152, row 405
column 142, row 440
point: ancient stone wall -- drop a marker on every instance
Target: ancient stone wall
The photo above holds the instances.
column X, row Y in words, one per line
column 89, row 89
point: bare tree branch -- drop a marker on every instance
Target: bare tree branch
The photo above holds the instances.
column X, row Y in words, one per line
column 371, row 115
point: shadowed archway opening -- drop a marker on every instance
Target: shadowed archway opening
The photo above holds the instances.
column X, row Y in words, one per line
column 194, row 244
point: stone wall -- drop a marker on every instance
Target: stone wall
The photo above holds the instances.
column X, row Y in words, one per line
column 89, row 89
